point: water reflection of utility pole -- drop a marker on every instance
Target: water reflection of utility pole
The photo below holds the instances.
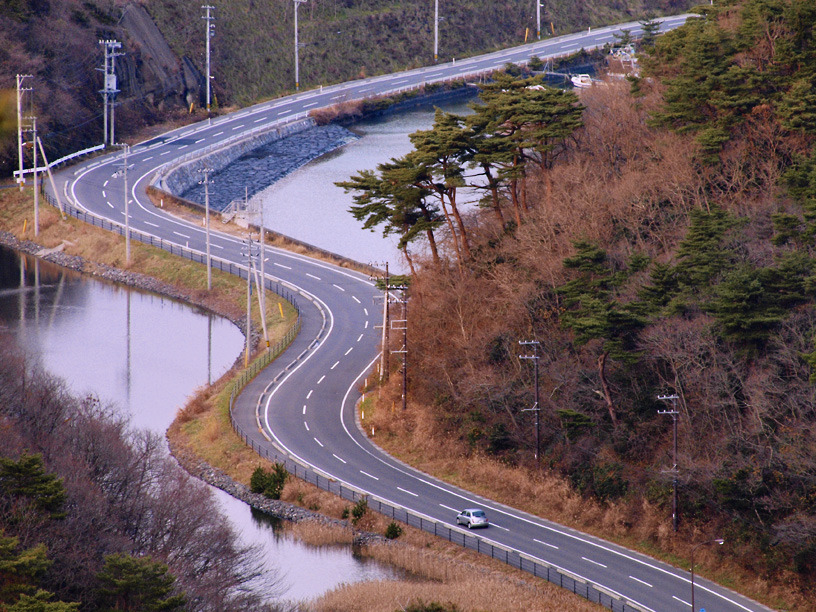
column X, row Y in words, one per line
column 37, row 291
column 209, row 348
column 57, row 299
column 22, row 294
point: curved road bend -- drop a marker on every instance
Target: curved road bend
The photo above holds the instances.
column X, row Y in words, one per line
column 310, row 412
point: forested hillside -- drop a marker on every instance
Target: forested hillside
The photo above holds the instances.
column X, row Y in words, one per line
column 656, row 237
column 57, row 42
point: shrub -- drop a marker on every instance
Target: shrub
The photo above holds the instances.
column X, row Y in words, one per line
column 359, row 510
column 393, row 531
column 271, row 483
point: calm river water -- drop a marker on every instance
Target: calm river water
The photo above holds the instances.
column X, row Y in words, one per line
column 308, row 206
column 146, row 354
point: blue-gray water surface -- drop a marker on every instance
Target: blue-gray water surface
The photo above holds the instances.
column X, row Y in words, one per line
column 308, row 206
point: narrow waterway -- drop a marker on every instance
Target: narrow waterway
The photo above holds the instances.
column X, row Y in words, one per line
column 308, row 206
column 146, row 354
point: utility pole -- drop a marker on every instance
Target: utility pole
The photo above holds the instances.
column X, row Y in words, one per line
column 36, row 185
column 109, row 91
column 210, row 32
column 402, row 324
column 262, row 295
column 538, row 19
column 536, row 406
column 249, row 300
column 673, row 412
column 20, row 91
column 297, row 46
column 127, row 199
column 436, row 30
column 123, row 174
column 206, row 183
column 386, row 323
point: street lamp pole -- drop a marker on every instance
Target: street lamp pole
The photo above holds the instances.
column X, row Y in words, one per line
column 297, row 61
column 536, row 406
column 719, row 541
column 673, row 413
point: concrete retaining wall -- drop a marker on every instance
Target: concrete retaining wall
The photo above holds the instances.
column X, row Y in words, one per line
column 177, row 178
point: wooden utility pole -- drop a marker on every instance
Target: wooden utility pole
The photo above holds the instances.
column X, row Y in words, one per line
column 536, row 406
column 673, row 413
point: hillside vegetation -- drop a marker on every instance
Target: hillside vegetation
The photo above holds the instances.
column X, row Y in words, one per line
column 57, row 42
column 656, row 237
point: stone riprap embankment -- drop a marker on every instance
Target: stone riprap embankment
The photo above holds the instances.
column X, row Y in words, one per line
column 255, row 166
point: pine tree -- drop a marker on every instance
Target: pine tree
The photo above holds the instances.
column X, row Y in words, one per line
column 137, row 584
column 592, row 311
column 28, row 479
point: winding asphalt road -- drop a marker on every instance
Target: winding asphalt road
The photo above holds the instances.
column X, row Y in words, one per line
column 309, row 411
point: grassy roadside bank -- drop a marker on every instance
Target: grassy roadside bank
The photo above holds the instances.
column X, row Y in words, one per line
column 202, row 431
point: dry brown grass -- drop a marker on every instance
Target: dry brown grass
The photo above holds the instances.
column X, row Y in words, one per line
column 318, row 533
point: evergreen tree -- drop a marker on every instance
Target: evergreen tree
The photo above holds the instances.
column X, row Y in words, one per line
column 702, row 255
column 28, row 479
column 744, row 310
column 650, row 28
column 41, row 602
column 137, row 584
column 19, row 570
column 593, row 311
column 396, row 198
column 439, row 151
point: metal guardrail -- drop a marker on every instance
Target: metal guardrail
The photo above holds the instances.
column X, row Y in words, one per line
column 61, row 160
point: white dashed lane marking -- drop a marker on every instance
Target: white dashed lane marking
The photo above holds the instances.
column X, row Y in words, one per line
column 407, row 491
column 546, row 544
column 641, row 581
column 595, row 562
